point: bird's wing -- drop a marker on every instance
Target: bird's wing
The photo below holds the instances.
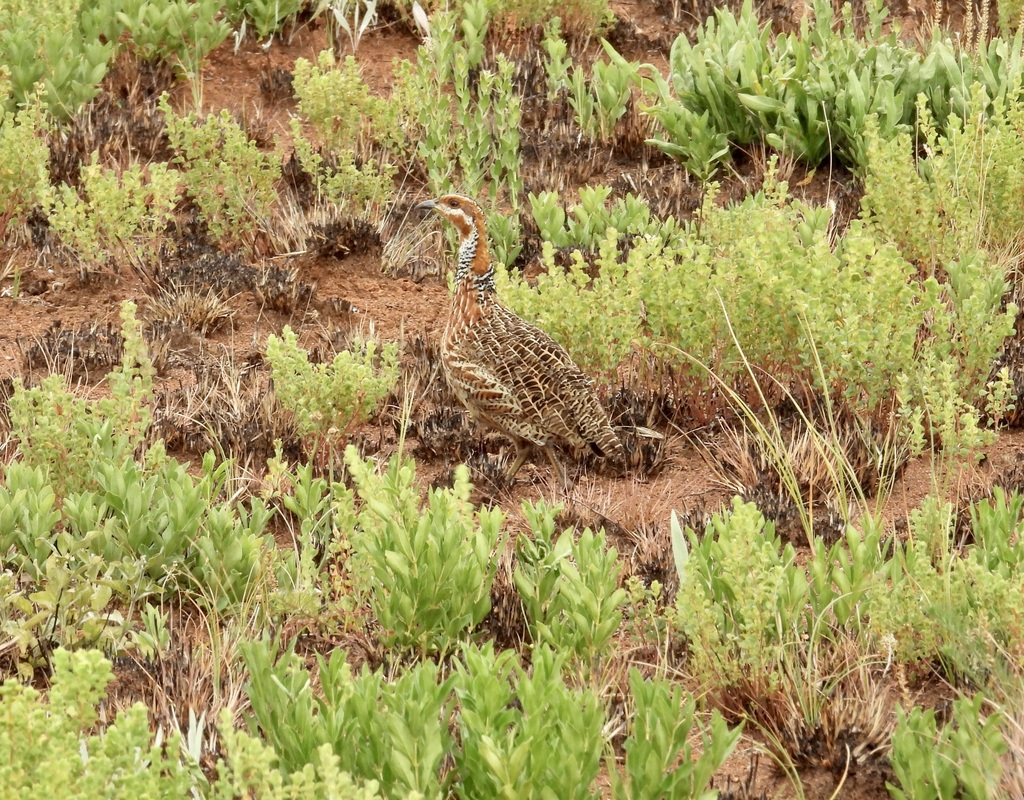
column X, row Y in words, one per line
column 552, row 391
column 487, row 392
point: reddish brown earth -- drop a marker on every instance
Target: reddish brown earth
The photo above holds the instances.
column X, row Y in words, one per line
column 403, row 309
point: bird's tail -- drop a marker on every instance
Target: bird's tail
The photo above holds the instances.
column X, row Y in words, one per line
column 607, row 444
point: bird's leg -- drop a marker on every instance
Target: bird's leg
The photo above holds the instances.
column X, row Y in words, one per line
column 523, row 449
column 560, row 468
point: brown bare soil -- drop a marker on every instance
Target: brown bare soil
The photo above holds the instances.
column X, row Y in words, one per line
column 351, row 291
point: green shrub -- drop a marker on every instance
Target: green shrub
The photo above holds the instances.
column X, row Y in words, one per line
column 352, row 126
column 125, row 527
column 52, row 745
column 465, row 123
column 357, row 190
column 430, row 566
column 24, row 163
column 334, row 100
column 66, row 435
column 590, row 218
column 520, row 732
column 936, row 605
column 814, row 92
column 603, row 100
column 145, row 526
column 329, row 400
column 548, row 746
column 59, row 598
column 596, row 320
column 742, row 602
column 266, row 17
column 961, row 760
column 175, row 31
column 1010, row 14
column 401, row 725
column 126, row 211
column 659, row 761
column 995, row 523
column 570, row 590
column 841, row 577
column 250, row 769
column 699, row 106
column 950, row 70
column 232, row 182
column 557, row 63
column 966, row 193
column 49, row 746
column 65, row 46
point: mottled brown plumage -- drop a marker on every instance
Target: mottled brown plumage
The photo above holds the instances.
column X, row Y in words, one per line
column 508, row 373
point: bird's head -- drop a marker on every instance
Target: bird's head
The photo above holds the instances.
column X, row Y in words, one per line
column 462, row 212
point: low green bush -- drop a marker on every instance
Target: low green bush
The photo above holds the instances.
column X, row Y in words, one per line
column 430, row 566
column 328, row 401
column 122, row 212
column 63, row 47
column 659, row 759
column 965, row 194
column 738, row 625
column 570, row 590
column 351, row 126
column 937, row 604
column 960, row 760
column 89, row 518
column 67, row 435
column 520, row 731
column 152, row 525
column 400, row 725
column 174, row 31
column 231, row 180
column 550, row 746
column 590, row 218
column 264, row 17
column 49, row 746
column 24, row 164
column 603, row 100
column 465, row 122
column 54, row 744
column 813, row 92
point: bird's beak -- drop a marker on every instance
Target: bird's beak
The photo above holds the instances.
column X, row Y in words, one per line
column 426, row 205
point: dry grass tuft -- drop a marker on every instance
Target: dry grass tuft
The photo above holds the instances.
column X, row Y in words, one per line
column 833, row 708
column 814, row 463
column 506, row 621
column 1013, row 761
column 413, row 245
column 202, row 310
column 188, row 683
column 228, row 407
column 86, row 352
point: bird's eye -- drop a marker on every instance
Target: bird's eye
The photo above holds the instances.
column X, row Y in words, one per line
column 453, row 203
